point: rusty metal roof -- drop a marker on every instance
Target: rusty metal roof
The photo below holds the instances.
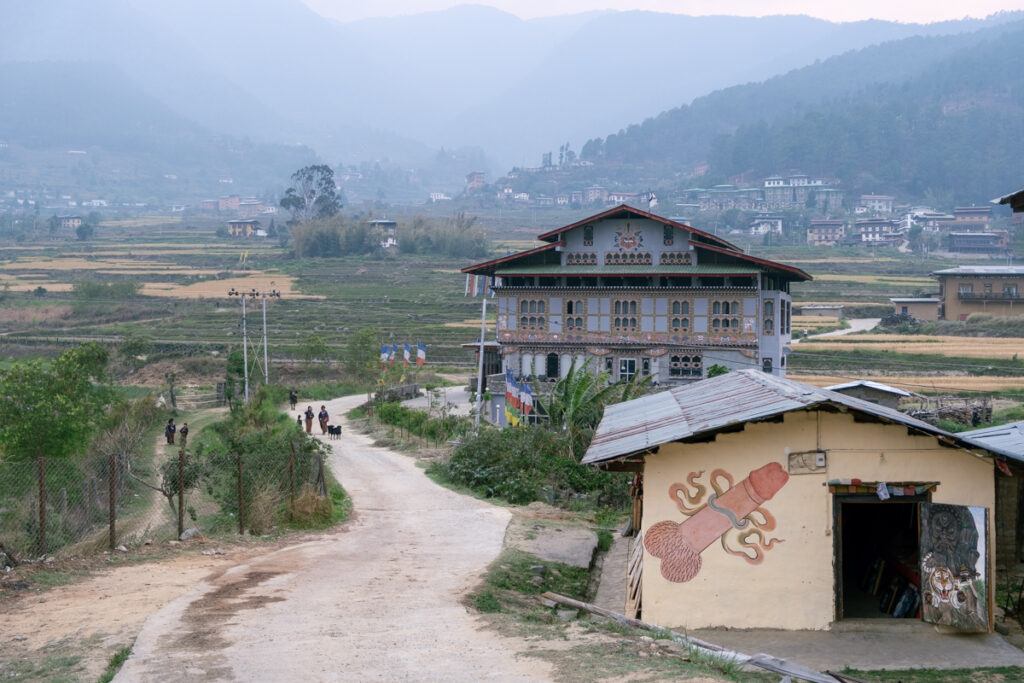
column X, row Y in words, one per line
column 727, row 401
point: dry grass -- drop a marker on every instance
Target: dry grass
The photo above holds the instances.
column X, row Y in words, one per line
column 877, row 279
column 962, row 347
column 29, row 283
column 814, row 320
column 35, row 314
column 849, row 259
column 310, row 508
column 470, row 324
column 261, row 513
column 218, row 289
column 110, row 266
column 922, row 383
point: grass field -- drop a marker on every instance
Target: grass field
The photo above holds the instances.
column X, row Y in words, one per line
column 923, row 384
column 954, row 347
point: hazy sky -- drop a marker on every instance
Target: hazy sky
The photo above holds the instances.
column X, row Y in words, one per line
column 835, row 10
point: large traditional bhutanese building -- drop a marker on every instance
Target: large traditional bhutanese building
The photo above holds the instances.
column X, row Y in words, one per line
column 636, row 293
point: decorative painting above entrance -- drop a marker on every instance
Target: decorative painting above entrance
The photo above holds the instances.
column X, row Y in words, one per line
column 730, row 513
column 629, row 239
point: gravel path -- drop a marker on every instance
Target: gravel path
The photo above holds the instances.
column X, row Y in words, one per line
column 376, row 601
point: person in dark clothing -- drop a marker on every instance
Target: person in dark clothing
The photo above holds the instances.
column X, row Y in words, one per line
column 183, row 433
column 324, row 417
column 169, row 431
column 309, row 419
column 293, row 398
column 298, row 421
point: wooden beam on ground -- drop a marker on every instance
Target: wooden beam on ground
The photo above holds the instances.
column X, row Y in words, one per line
column 761, row 661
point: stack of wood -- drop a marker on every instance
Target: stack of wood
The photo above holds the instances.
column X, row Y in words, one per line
column 968, row 411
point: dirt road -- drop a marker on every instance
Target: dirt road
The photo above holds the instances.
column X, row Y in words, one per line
column 376, row 601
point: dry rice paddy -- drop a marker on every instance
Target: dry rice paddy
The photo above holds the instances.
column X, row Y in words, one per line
column 218, row 289
column 876, row 279
column 923, row 383
column 962, row 347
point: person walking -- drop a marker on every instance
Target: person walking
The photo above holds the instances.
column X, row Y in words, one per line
column 183, row 433
column 324, row 417
column 298, row 421
column 309, row 419
column 293, row 398
column 169, row 431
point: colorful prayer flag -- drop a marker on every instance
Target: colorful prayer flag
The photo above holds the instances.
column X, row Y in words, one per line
column 421, row 354
column 406, row 354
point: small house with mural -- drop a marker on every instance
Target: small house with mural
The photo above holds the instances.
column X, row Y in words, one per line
column 765, row 503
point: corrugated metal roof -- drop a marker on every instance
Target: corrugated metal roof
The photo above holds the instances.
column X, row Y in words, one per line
column 982, row 270
column 571, row 271
column 1008, row 439
column 871, row 385
column 734, row 399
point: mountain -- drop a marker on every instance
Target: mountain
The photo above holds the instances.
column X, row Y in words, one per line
column 121, row 138
column 404, row 87
column 772, row 126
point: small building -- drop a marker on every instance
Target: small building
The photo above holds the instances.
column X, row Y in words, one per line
column 70, row 222
column 229, row 203
column 995, row 242
column 244, row 227
column 825, row 232
column 209, row 205
column 766, row 224
column 996, row 290
column 1015, row 200
column 766, row 503
column 877, row 203
column 876, row 230
column 476, row 180
column 972, row 218
column 919, row 308
column 388, row 230
column 822, row 310
column 876, row 392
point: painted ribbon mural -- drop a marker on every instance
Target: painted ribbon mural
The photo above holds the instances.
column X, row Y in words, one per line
column 732, row 513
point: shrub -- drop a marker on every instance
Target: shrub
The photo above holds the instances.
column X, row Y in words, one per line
column 310, row 509
column 261, row 514
column 419, row 423
column 525, row 464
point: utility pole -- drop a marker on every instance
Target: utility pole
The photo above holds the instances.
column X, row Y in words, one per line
column 263, row 296
column 480, row 367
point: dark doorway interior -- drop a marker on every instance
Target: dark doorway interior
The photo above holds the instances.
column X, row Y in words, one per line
column 878, row 572
column 552, row 366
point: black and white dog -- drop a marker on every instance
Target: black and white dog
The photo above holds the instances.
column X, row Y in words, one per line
column 333, row 432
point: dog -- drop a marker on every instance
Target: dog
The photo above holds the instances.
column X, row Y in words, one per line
column 333, row 432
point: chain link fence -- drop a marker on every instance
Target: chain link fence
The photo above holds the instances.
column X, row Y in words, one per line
column 76, row 506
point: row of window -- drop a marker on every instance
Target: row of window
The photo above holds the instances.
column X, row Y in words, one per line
column 623, row 369
column 676, row 258
column 581, row 259
column 1009, row 290
column 630, row 259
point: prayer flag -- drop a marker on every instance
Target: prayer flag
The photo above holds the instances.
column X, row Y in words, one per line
column 421, row 354
column 406, row 354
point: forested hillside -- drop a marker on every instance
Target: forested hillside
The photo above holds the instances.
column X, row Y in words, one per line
column 944, row 107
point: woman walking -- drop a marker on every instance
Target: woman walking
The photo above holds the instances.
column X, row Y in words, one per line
column 309, row 419
column 293, row 398
column 169, row 431
column 324, row 417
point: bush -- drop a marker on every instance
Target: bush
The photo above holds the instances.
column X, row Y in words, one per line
column 261, row 514
column 523, row 465
column 419, row 423
column 90, row 290
column 310, row 509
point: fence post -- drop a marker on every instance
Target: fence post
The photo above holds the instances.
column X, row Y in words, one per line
column 41, row 541
column 112, row 496
column 181, row 490
column 241, row 502
column 291, row 480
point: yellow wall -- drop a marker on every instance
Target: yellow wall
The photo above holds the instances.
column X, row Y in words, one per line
column 920, row 311
column 792, row 588
column 955, row 308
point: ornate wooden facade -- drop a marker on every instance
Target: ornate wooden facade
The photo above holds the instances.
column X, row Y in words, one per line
column 635, row 293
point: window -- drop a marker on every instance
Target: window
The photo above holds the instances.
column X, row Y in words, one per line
column 988, row 287
column 685, row 366
column 625, row 311
column 680, row 308
column 574, row 307
column 645, row 367
column 574, row 323
column 679, row 324
column 769, row 317
column 766, row 364
column 609, row 364
column 965, row 288
column 1010, row 290
column 588, row 235
column 725, row 316
column 668, row 235
column 627, row 369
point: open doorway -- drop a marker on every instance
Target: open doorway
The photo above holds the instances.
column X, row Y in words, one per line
column 878, row 557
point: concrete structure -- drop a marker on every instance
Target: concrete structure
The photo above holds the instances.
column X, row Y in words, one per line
column 388, row 230
column 822, row 310
column 996, row 242
column 247, row 227
column 876, row 392
column 971, row 218
column 825, row 233
column 877, row 203
column 876, row 231
column 639, row 294
column 766, row 224
column 996, row 290
column 918, row 308
column 798, row 191
column 70, row 222
column 772, row 504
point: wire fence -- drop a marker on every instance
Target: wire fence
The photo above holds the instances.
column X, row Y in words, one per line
column 75, row 506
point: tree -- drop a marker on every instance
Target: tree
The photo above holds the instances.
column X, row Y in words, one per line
column 717, row 370
column 313, row 348
column 135, row 346
column 313, row 194
column 85, row 231
column 361, row 355
column 51, row 410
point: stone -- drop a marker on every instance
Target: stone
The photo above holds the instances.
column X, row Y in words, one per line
column 215, row 551
column 548, row 603
column 190, row 533
column 567, row 614
column 121, row 549
column 538, row 570
column 173, row 542
column 537, row 580
column 566, row 544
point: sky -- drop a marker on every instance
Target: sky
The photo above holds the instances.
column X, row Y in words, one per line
column 922, row 11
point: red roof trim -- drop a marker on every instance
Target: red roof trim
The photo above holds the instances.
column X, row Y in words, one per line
column 754, row 259
column 643, row 214
column 511, row 257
